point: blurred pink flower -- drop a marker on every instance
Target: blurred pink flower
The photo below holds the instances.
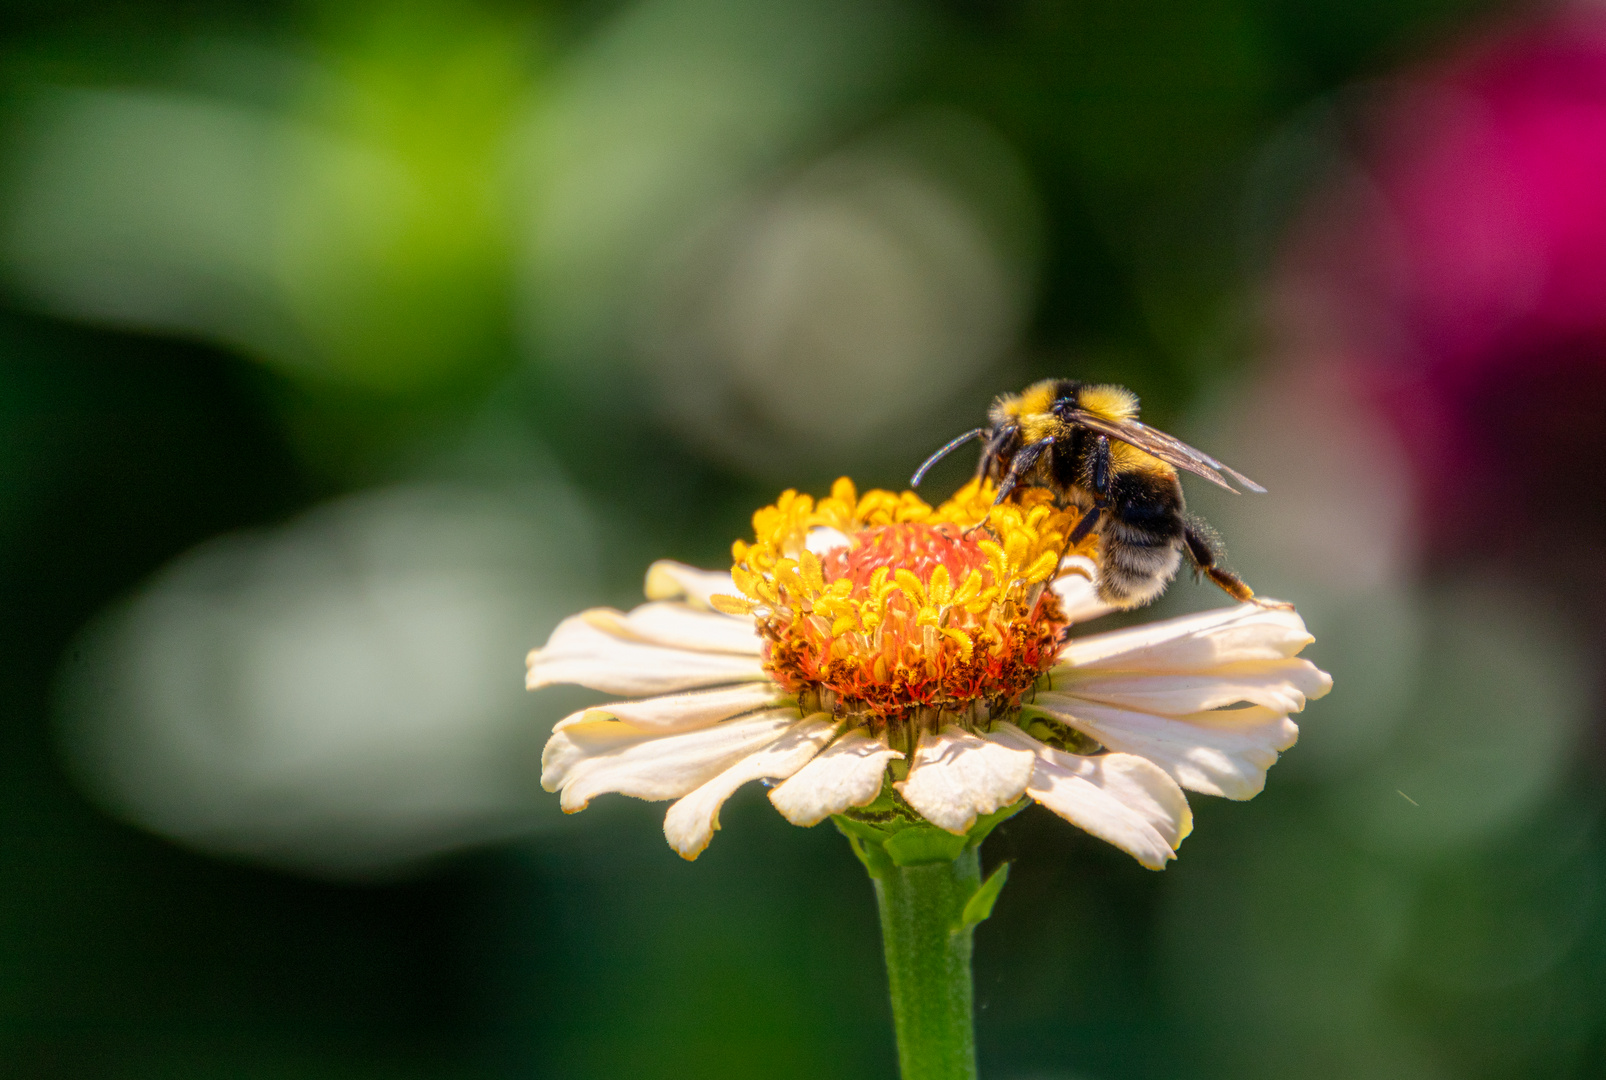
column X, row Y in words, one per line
column 1461, row 275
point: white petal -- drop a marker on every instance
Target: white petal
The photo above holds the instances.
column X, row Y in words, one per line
column 587, row 760
column 679, row 626
column 1121, row 799
column 681, row 712
column 668, row 580
column 1284, row 685
column 1193, row 642
column 956, row 776
column 1078, row 589
column 579, row 652
column 1225, row 752
column 691, row 822
column 848, row 773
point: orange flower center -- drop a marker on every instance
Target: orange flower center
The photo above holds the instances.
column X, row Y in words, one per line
column 882, row 607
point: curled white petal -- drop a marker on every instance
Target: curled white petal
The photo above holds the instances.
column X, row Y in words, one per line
column 956, row 776
column 1120, row 798
column 679, row 626
column 1077, row 587
column 1284, row 685
column 681, row 712
column 1209, row 639
column 1223, row 752
column 691, row 822
column 590, row 759
column 847, row 773
column 668, row 580
column 580, row 652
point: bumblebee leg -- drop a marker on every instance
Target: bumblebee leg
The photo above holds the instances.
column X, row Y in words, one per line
column 1099, row 481
column 990, row 451
column 1099, row 470
column 1202, row 554
column 1083, row 527
column 1025, row 458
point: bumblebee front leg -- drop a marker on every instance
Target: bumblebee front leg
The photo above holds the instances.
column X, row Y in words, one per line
column 1025, row 458
column 991, row 450
column 1202, row 554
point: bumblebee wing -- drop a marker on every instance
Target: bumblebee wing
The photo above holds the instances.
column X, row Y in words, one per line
column 1170, row 450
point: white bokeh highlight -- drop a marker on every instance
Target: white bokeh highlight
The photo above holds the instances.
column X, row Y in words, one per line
column 342, row 695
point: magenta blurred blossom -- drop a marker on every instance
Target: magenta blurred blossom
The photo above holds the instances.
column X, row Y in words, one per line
column 1461, row 272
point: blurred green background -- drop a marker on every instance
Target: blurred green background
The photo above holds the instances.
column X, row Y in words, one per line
column 347, row 345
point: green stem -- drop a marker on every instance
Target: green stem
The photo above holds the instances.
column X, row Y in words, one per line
column 927, row 936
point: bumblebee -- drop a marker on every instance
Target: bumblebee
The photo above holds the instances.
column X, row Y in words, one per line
column 1085, row 443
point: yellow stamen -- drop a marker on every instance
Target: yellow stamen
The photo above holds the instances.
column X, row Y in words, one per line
column 918, row 598
column 731, row 605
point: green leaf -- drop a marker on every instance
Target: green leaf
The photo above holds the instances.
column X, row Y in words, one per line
column 980, row 906
column 871, row 854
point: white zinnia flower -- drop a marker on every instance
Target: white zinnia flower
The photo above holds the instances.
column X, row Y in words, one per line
column 870, row 640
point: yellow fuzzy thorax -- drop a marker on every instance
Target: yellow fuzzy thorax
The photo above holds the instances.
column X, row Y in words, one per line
column 1113, row 402
column 1036, row 398
column 1031, row 410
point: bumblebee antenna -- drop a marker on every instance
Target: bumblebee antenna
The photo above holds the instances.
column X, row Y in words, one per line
column 920, row 473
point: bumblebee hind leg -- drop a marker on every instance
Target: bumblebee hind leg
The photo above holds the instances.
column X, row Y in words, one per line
column 1203, row 552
